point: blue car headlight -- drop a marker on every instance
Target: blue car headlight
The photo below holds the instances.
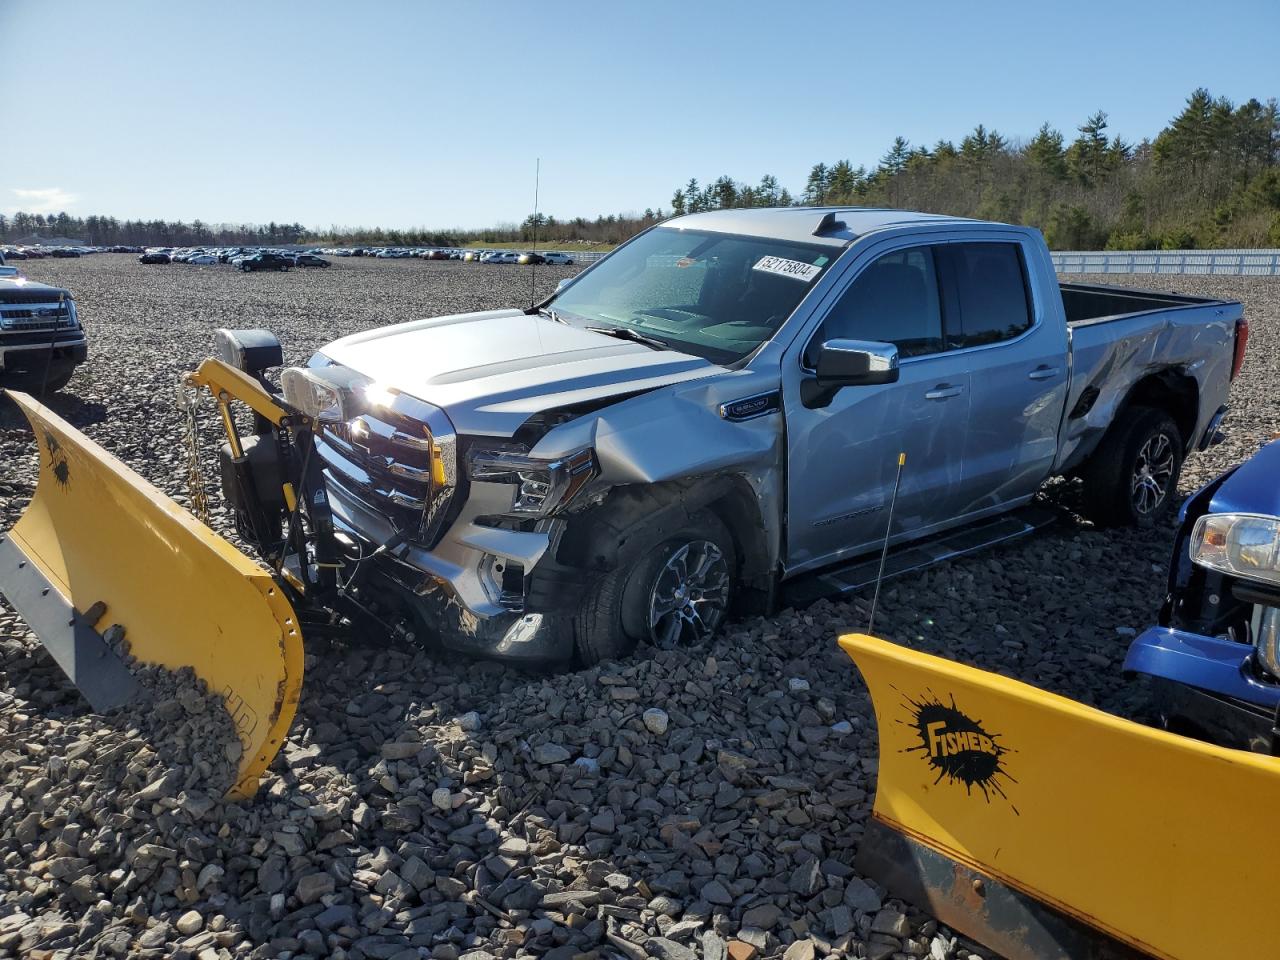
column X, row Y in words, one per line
column 1242, row 545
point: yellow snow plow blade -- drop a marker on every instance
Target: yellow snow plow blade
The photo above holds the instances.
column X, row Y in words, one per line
column 100, row 546
column 1047, row 829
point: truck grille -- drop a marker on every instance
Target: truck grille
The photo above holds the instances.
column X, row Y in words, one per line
column 396, row 464
column 35, row 316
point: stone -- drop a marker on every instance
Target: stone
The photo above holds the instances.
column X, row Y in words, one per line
column 891, row 922
column 806, row 880
column 189, row 923
column 859, row 895
column 799, row 950
column 666, row 949
column 715, row 892
column 765, row 916
column 549, row 753
column 314, row 886
column 741, row 950
column 470, row 721
column 656, row 721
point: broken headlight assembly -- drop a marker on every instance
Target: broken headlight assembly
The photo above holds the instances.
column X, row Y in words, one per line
column 540, row 487
column 1238, row 544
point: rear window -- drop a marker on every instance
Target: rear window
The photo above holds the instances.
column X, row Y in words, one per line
column 991, row 293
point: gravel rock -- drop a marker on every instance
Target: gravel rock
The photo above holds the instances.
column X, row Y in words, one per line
column 656, row 721
column 430, row 806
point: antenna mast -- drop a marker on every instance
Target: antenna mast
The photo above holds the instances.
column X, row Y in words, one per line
column 533, row 265
column 884, row 553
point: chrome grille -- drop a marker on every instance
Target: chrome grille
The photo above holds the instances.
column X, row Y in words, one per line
column 400, row 461
column 35, row 316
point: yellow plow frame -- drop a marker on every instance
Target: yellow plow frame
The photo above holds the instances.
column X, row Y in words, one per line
column 1047, row 829
column 98, row 546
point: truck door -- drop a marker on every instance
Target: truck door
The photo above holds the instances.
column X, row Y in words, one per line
column 842, row 458
column 1017, row 352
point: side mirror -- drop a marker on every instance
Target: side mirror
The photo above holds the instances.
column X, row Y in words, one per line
column 848, row 363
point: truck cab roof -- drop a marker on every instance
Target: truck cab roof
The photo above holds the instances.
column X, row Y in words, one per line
column 837, row 226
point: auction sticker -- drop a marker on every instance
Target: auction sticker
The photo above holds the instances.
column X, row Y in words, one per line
column 788, row 268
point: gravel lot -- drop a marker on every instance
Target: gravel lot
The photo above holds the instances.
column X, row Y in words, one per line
column 679, row 804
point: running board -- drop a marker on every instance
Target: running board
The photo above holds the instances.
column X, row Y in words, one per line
column 849, row 577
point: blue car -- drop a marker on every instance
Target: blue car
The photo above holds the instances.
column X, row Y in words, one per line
column 1215, row 657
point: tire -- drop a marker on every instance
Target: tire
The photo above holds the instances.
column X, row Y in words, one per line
column 1132, row 478
column 615, row 612
column 243, row 268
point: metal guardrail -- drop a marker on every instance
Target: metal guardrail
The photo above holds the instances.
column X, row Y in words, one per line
column 1227, row 263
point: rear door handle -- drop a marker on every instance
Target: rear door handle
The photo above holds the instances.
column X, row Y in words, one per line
column 943, row 391
column 1043, row 373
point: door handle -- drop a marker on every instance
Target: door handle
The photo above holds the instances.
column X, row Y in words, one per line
column 943, row 391
column 1043, row 373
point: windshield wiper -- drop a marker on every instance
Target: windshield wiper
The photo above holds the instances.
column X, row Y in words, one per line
column 626, row 333
column 552, row 315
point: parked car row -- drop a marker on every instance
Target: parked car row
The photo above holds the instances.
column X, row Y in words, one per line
column 246, row 258
column 470, row 255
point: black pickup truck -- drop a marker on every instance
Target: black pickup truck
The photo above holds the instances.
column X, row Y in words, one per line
column 41, row 339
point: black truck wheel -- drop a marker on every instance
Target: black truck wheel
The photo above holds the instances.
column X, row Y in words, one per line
column 1132, row 478
column 672, row 587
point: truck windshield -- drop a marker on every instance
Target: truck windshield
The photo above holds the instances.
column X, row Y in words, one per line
column 713, row 295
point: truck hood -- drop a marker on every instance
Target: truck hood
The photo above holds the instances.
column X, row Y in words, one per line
column 491, row 371
column 1252, row 486
column 20, row 290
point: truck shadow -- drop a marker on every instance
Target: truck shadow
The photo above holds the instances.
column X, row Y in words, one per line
column 76, row 411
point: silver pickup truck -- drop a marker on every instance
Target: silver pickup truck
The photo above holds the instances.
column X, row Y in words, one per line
column 719, row 407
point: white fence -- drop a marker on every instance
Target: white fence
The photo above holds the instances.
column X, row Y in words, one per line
column 1234, row 263
column 1227, row 263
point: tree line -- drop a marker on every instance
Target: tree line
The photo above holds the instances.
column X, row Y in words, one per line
column 101, row 231
column 1210, row 178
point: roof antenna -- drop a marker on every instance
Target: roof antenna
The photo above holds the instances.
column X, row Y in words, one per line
column 884, row 553
column 533, row 260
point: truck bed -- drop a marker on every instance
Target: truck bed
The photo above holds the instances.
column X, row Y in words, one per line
column 1121, row 335
column 1087, row 303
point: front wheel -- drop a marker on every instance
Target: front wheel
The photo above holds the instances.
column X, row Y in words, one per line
column 671, row 588
column 1132, row 478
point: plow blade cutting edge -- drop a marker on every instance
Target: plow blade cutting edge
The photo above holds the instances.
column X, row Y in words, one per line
column 98, row 543
column 1048, row 829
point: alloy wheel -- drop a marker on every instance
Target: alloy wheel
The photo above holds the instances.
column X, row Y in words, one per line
column 690, row 596
column 1152, row 472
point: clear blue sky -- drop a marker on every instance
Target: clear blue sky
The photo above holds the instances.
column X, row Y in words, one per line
column 418, row 113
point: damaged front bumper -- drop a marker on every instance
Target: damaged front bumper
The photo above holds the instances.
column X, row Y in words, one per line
column 1206, row 682
column 460, row 589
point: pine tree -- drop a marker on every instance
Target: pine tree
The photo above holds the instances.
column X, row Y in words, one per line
column 817, row 186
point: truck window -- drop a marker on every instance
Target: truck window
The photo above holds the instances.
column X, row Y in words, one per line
column 991, row 293
column 894, row 300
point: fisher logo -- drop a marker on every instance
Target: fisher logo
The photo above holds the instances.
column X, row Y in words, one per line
column 57, row 460
column 957, row 746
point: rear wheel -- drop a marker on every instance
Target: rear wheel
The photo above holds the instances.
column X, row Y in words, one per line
column 1132, row 478
column 672, row 587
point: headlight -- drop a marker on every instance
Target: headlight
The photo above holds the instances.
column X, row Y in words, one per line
column 541, row 486
column 327, row 393
column 1240, row 544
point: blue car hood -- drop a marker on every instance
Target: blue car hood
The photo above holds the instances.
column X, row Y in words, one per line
column 1254, row 487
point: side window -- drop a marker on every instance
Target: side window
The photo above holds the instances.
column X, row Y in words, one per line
column 894, row 300
column 991, row 293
